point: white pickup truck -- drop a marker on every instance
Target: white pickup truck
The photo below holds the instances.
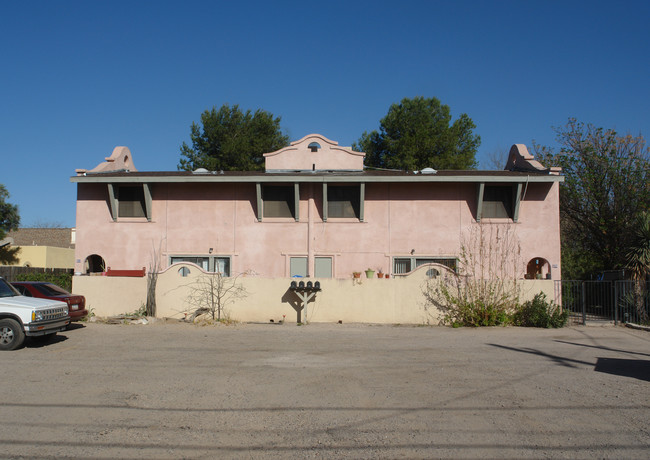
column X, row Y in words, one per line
column 27, row 316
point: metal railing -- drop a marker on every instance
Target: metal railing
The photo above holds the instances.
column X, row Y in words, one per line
column 615, row 301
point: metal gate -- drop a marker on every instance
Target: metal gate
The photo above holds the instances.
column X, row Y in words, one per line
column 616, row 301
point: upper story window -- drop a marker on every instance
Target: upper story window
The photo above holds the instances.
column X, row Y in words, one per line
column 130, row 201
column 278, row 201
column 344, row 201
column 497, row 201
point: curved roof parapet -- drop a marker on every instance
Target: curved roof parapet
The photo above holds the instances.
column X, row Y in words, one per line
column 120, row 160
column 519, row 159
column 314, row 152
column 314, row 135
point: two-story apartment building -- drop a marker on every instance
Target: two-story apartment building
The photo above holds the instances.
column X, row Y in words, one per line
column 315, row 211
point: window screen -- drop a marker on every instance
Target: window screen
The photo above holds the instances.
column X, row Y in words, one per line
column 278, row 201
column 131, row 201
column 298, row 266
column 343, row 201
column 323, row 267
column 497, row 201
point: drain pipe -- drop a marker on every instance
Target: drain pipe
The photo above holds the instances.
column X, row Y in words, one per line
column 310, row 231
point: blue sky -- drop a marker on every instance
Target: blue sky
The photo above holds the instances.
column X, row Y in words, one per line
column 79, row 78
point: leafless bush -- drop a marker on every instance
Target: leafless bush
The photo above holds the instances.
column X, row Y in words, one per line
column 211, row 293
column 484, row 291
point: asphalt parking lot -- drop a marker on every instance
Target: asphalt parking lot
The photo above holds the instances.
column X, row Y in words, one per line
column 327, row 391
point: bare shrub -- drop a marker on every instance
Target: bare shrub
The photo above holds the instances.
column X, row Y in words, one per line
column 211, row 293
column 152, row 279
column 484, row 291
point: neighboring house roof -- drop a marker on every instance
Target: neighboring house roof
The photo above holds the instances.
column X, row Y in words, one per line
column 54, row 237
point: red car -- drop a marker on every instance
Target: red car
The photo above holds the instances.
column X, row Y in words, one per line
column 76, row 303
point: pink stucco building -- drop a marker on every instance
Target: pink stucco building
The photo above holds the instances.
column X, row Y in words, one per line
column 315, row 211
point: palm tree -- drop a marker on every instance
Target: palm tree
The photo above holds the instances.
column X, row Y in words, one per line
column 638, row 259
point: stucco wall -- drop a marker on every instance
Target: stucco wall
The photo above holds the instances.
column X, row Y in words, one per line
column 108, row 296
column 391, row 301
column 328, row 156
column 401, row 219
column 46, row 257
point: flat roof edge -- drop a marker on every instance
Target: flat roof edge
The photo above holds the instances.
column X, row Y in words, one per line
column 269, row 178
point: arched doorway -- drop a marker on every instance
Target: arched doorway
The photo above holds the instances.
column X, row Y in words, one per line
column 538, row 268
column 94, row 264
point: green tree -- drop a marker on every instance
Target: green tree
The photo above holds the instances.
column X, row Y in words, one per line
column 418, row 133
column 9, row 220
column 638, row 261
column 638, row 256
column 604, row 192
column 231, row 140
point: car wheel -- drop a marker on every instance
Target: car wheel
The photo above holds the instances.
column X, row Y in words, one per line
column 11, row 334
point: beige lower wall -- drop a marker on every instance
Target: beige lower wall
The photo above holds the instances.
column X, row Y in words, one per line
column 108, row 295
column 391, row 301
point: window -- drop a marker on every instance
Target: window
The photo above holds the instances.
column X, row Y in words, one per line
column 203, row 262
column 94, row 264
column 222, row 265
column 497, row 201
column 216, row 264
column 130, row 201
column 50, row 289
column 323, row 267
column 278, row 201
column 344, row 201
column 403, row 265
column 538, row 268
column 23, row 291
column 298, row 267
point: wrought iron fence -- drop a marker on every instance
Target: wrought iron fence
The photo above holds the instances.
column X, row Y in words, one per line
column 616, row 301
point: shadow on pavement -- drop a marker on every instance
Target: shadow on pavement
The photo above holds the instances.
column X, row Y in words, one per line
column 634, row 368
column 44, row 340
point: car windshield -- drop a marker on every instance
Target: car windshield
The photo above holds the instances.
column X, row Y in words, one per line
column 7, row 290
column 51, row 289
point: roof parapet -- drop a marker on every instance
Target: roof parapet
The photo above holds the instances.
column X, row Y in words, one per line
column 519, row 159
column 314, row 153
column 120, row 160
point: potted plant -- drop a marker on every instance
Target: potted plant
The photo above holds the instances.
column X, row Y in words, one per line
column 370, row 273
column 356, row 274
column 380, row 274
